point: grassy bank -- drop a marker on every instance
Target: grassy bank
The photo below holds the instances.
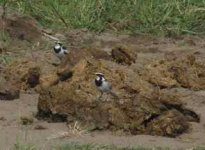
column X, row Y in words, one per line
column 138, row 16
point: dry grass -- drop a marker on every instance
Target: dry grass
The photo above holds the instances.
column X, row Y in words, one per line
column 73, row 130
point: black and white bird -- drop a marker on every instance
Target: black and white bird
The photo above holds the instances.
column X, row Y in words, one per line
column 60, row 50
column 103, row 85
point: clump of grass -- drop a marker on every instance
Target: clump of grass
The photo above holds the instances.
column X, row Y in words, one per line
column 73, row 130
column 5, row 39
column 150, row 16
column 26, row 120
column 4, row 59
column 74, row 146
column 103, row 147
column 20, row 146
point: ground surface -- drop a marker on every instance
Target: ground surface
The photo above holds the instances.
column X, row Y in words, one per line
column 45, row 135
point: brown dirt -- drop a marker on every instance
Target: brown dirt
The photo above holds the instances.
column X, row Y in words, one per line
column 161, row 92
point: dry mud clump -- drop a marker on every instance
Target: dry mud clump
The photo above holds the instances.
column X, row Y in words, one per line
column 120, row 54
column 123, row 55
column 65, row 69
column 22, row 73
column 183, row 71
column 139, row 108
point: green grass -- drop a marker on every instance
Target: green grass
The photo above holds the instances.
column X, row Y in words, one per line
column 4, row 59
column 19, row 146
column 167, row 17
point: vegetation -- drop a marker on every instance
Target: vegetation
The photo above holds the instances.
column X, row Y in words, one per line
column 73, row 146
column 100, row 147
column 19, row 146
column 136, row 16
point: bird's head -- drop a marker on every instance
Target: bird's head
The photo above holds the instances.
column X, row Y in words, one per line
column 100, row 77
column 57, row 47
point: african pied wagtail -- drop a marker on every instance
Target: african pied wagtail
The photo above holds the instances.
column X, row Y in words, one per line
column 103, row 85
column 60, row 50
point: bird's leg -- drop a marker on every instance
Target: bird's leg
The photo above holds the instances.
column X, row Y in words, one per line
column 106, row 99
column 99, row 97
column 114, row 95
column 57, row 63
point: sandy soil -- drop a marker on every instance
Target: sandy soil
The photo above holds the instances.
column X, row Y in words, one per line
column 45, row 135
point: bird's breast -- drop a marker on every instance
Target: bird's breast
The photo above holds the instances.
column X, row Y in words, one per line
column 57, row 50
column 98, row 82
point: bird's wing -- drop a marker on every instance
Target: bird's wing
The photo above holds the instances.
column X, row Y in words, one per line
column 66, row 51
column 109, row 85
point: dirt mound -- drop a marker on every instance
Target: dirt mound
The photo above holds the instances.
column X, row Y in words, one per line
column 21, row 27
column 185, row 71
column 138, row 109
